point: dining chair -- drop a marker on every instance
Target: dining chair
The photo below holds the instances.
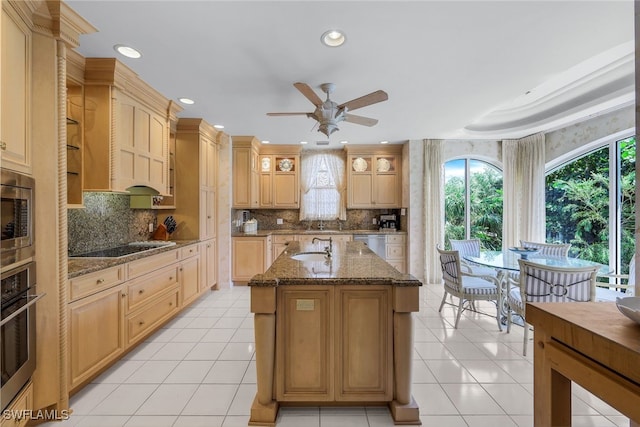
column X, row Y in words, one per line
column 467, row 287
column 541, row 283
column 471, row 247
column 552, row 249
column 604, row 291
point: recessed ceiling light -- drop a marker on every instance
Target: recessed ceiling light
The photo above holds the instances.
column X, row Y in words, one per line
column 127, row 51
column 384, row 142
column 333, row 38
column 343, row 142
column 218, row 126
column 187, row 101
column 266, row 142
column 303, row 142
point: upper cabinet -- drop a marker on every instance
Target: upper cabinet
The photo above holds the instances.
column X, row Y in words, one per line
column 126, row 130
column 374, row 177
column 15, row 96
column 279, row 177
column 245, row 170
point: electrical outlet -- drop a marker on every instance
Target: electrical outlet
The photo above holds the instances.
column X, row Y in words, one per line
column 279, row 221
column 374, row 221
column 150, row 227
column 403, row 212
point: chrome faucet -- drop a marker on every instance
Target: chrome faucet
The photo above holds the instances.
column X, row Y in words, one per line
column 327, row 249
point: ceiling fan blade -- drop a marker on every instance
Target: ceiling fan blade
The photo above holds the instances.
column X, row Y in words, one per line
column 306, row 90
column 363, row 101
column 288, row 114
column 360, row 120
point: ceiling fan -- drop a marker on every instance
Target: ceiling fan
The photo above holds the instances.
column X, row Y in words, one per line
column 328, row 113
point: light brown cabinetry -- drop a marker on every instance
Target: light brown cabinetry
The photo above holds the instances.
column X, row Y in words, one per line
column 208, row 270
column 245, row 171
column 196, row 180
column 15, row 96
column 279, row 177
column 108, row 314
column 96, row 333
column 75, row 144
column 20, row 405
column 250, row 256
column 395, row 249
column 333, row 343
column 374, row 177
column 126, row 130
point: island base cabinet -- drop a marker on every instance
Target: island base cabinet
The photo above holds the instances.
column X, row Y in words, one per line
column 304, row 347
column 334, row 344
column 96, row 335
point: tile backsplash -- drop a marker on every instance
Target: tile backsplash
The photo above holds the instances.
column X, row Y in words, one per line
column 107, row 221
column 357, row 219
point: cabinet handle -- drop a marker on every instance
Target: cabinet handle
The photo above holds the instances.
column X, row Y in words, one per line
column 3, row 145
column 124, row 295
column 170, row 277
column 141, row 322
column 208, row 216
column 141, row 291
column 171, row 304
column 180, row 268
column 100, row 281
column 209, row 245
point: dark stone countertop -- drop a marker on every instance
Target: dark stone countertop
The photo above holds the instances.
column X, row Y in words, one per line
column 264, row 233
column 79, row 266
column 351, row 263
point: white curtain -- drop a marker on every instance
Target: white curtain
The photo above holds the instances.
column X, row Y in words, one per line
column 524, row 190
column 433, row 207
column 320, row 201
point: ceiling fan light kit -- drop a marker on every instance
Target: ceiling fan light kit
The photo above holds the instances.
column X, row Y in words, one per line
column 328, row 113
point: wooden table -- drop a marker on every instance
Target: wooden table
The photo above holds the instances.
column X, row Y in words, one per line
column 590, row 343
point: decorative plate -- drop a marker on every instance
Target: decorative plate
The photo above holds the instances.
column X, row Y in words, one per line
column 266, row 164
column 383, row 165
column 285, row 165
column 359, row 165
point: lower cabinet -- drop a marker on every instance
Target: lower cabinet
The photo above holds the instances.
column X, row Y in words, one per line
column 208, row 262
column 96, row 333
column 249, row 256
column 334, row 343
column 20, row 406
column 104, row 323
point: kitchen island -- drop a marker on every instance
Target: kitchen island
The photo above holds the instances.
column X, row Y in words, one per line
column 333, row 331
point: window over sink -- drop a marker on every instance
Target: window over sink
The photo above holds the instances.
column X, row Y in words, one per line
column 322, row 185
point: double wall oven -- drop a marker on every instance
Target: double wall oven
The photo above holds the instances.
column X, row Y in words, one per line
column 18, row 284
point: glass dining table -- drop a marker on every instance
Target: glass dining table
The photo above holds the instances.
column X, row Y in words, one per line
column 507, row 262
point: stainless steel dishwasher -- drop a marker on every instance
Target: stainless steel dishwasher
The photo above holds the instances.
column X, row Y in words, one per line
column 376, row 243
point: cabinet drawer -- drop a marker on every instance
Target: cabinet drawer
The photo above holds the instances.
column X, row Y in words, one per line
column 283, row 238
column 91, row 283
column 149, row 318
column 189, row 251
column 139, row 291
column 395, row 238
column 23, row 402
column 394, row 252
column 147, row 265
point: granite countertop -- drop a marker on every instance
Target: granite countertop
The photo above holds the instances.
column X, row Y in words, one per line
column 351, row 263
column 263, row 233
column 80, row 266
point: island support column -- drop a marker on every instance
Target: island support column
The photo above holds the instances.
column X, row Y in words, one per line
column 263, row 304
column 404, row 409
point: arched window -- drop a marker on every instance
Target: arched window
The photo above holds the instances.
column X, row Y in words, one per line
column 473, row 202
column 591, row 204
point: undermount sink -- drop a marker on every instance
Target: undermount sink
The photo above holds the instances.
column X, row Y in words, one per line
column 310, row 256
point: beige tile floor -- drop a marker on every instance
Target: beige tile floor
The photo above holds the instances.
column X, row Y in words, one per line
column 199, row 371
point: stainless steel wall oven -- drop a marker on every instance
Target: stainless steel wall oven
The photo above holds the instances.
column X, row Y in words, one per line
column 17, row 330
